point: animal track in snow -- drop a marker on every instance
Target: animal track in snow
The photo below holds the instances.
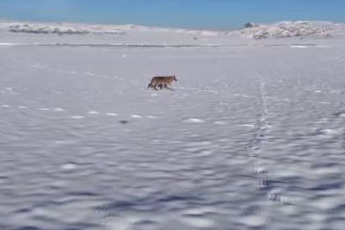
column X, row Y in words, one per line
column 277, row 196
column 255, row 147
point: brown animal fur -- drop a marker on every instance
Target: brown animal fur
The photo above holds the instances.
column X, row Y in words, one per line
column 162, row 81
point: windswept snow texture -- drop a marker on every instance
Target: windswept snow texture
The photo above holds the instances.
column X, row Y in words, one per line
column 252, row 138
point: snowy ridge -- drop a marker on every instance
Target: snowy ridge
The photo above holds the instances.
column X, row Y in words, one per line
column 78, row 28
column 253, row 30
column 292, row 29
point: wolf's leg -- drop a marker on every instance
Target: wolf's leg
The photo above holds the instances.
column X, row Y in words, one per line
column 155, row 87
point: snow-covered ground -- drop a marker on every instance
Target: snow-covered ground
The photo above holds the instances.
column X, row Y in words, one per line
column 252, row 138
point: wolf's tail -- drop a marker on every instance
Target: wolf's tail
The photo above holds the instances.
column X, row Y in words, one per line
column 149, row 86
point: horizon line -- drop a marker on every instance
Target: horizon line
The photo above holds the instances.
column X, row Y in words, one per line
column 158, row 26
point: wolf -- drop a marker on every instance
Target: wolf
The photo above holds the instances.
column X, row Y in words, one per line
column 162, row 81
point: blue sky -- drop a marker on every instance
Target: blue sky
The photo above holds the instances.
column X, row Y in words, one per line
column 208, row 14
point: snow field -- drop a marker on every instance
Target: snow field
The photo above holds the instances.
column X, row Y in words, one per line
column 252, row 138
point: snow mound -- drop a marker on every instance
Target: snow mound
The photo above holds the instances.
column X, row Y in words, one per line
column 291, row 29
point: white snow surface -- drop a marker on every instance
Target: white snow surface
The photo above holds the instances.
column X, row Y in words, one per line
column 253, row 136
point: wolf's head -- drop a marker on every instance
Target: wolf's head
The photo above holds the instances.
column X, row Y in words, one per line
column 174, row 78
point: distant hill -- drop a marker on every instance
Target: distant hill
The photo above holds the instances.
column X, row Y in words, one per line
column 291, row 29
column 251, row 30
